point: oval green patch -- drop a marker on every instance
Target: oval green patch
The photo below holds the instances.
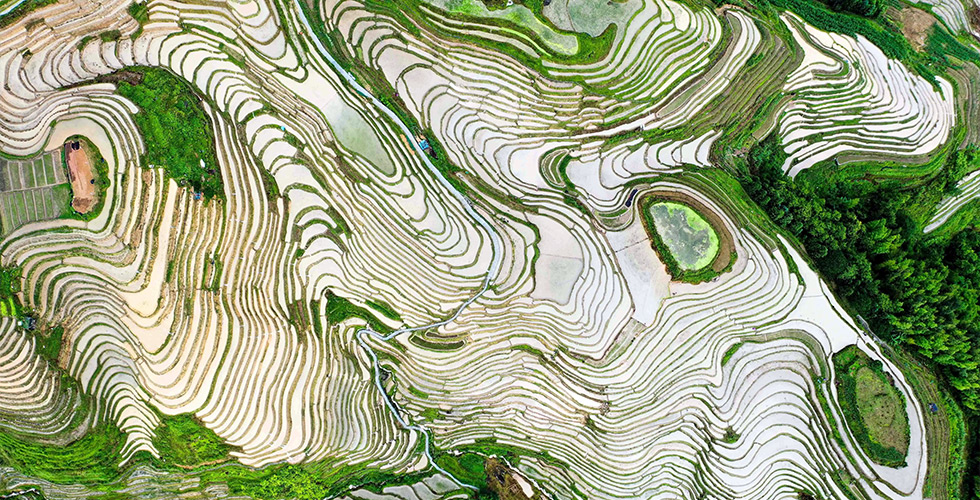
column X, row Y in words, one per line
column 689, row 237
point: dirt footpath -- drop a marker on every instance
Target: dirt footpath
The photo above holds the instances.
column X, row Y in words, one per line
column 916, row 25
column 81, row 177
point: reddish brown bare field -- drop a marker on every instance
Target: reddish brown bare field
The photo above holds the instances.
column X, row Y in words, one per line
column 81, row 177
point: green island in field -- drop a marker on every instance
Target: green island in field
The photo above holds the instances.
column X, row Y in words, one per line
column 873, row 406
column 689, row 237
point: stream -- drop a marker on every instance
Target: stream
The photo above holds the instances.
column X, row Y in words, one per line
column 495, row 241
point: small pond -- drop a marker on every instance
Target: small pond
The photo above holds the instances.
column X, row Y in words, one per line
column 690, row 238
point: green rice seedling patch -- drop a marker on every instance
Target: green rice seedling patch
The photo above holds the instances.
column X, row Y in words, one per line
column 269, row 186
column 27, row 168
column 315, row 313
column 18, row 212
column 559, row 43
column 92, row 459
column 7, row 223
column 417, row 392
column 313, row 481
column 731, row 437
column 8, row 308
column 339, row 309
column 340, row 224
column 466, row 7
column 30, row 209
column 385, row 309
column 467, row 467
column 14, row 181
column 290, row 481
column 425, row 343
column 45, row 171
column 19, row 207
column 62, row 198
column 731, row 352
column 45, row 200
column 4, row 175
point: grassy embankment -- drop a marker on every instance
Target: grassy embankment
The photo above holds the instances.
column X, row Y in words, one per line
column 873, row 407
column 9, row 286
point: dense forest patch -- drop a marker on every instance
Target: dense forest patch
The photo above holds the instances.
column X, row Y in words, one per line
column 866, row 238
column 864, row 235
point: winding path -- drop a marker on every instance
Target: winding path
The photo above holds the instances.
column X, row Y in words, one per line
column 495, row 242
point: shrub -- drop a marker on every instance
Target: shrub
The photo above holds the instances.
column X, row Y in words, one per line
column 91, row 459
column 110, row 36
column 867, row 8
column 140, row 12
column 183, row 440
column 9, row 281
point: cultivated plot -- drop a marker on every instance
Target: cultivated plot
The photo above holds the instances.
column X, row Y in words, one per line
column 32, row 189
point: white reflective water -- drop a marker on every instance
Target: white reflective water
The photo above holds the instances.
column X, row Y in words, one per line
column 496, row 245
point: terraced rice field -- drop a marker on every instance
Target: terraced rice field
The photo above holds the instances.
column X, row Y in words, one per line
column 968, row 189
column 428, row 272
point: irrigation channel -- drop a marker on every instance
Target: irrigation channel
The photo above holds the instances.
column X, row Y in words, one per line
column 8, row 10
column 496, row 246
